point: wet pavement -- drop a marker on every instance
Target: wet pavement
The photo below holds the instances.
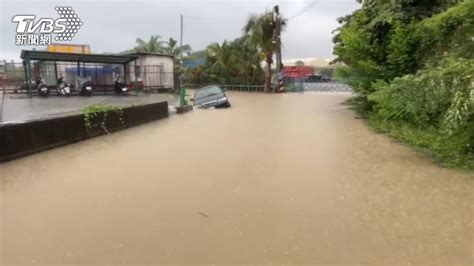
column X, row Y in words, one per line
column 20, row 107
column 283, row 179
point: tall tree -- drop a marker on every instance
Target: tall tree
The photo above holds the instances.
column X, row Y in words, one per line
column 260, row 32
column 382, row 40
column 154, row 45
column 173, row 49
column 235, row 62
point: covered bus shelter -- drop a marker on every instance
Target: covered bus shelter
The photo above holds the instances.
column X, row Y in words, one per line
column 80, row 59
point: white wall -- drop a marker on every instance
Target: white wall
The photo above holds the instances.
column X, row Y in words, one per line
column 155, row 70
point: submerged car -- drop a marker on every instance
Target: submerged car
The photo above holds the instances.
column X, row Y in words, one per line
column 211, row 96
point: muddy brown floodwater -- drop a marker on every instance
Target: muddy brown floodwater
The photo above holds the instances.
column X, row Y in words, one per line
column 288, row 179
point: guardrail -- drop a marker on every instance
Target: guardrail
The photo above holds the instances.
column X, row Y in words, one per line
column 247, row 88
column 326, row 87
column 331, row 86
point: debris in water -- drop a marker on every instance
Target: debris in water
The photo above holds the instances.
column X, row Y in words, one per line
column 203, row 214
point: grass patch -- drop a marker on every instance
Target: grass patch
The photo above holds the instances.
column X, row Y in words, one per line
column 444, row 150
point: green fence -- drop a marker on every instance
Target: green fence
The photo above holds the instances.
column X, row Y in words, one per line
column 246, row 88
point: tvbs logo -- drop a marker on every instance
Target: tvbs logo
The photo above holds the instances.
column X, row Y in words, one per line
column 32, row 31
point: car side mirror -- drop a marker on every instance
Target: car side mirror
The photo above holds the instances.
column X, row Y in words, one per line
column 224, row 89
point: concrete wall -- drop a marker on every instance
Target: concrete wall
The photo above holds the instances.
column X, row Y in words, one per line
column 17, row 140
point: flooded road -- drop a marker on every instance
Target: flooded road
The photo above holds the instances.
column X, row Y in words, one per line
column 275, row 179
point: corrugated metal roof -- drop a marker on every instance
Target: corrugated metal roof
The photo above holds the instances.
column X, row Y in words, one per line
column 72, row 57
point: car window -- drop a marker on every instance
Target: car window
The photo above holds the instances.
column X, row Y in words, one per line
column 205, row 92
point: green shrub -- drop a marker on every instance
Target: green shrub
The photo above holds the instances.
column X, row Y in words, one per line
column 95, row 116
column 438, row 100
column 411, row 64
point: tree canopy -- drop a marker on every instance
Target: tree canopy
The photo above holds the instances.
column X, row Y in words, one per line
column 156, row 45
column 260, row 32
column 239, row 61
column 235, row 62
column 411, row 63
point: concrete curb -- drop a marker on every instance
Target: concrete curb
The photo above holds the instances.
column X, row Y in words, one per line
column 21, row 139
column 184, row 109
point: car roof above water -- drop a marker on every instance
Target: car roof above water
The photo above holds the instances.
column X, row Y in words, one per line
column 210, row 86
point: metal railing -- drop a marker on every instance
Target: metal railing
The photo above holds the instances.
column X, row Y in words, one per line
column 326, row 87
column 150, row 78
column 230, row 87
column 289, row 87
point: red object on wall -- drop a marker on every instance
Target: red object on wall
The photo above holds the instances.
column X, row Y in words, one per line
column 297, row 71
column 131, row 85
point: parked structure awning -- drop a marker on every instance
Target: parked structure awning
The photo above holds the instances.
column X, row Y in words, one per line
column 71, row 57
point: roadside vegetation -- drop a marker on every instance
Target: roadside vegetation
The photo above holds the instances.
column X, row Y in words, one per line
column 412, row 66
column 231, row 62
column 96, row 117
column 239, row 61
column 235, row 62
column 158, row 46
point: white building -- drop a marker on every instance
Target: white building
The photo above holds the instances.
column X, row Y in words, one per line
column 154, row 70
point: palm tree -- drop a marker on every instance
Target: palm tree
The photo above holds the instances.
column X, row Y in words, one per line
column 249, row 60
column 221, row 55
column 173, row 49
column 235, row 62
column 260, row 31
column 221, row 61
column 154, row 45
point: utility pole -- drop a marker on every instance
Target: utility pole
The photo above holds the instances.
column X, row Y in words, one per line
column 182, row 91
column 277, row 40
column 181, row 34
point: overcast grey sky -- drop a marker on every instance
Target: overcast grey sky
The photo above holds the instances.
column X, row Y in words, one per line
column 114, row 25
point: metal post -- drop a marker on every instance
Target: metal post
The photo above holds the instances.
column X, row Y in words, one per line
column 25, row 69
column 182, row 91
column 125, row 74
column 135, row 71
column 182, row 94
column 103, row 80
column 3, row 95
column 56, row 70
column 28, row 74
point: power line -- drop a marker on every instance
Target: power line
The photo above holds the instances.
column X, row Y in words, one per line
column 296, row 14
column 211, row 18
column 310, row 5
